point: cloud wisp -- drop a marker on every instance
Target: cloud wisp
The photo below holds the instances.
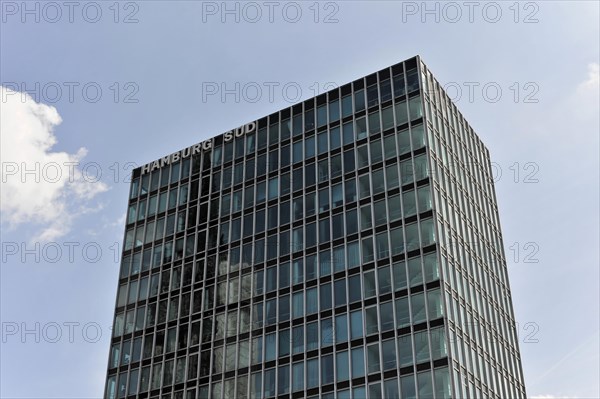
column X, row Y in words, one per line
column 40, row 187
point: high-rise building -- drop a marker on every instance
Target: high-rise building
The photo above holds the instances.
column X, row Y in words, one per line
column 348, row 246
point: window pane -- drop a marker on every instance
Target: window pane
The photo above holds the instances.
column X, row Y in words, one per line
column 427, row 232
column 346, row 105
column 327, row 369
column 362, row 156
column 405, row 350
column 297, row 305
column 297, row 125
column 359, row 100
column 361, row 128
column 416, row 111
column 297, row 377
column 438, row 343
column 412, row 80
column 373, row 358
column 403, row 142
column 354, row 289
column 356, row 324
column 369, row 284
column 358, row 362
column 312, row 373
column 442, row 383
column 425, row 385
column 364, row 186
column 335, row 140
column 424, row 198
column 353, row 254
column 298, row 339
column 322, row 115
column 311, row 261
column 284, row 275
column 336, row 166
column 359, row 392
column 374, row 123
column 421, row 169
column 334, row 111
column 309, row 147
column 286, row 127
column 390, row 389
column 269, row 385
column 297, row 154
column 378, row 182
column 270, row 346
column 271, row 312
column 372, row 95
column 371, row 324
column 339, row 261
column 417, row 305
column 284, row 308
column 341, row 328
column 298, row 271
column 434, row 304
column 415, row 273
column 402, row 312
column 324, row 263
column 376, row 151
column 271, row 279
column 340, row 292
column 417, row 134
column 383, row 250
column 408, row 387
column 393, row 180
column 311, row 300
column 386, row 313
column 348, row 132
column 388, row 351
column 284, row 343
column 401, row 113
column 273, row 188
column 409, row 205
column 430, row 266
column 385, row 90
column 342, row 363
column 412, row 237
column 367, row 250
column 387, row 116
column 384, row 280
column 327, row 337
column 399, row 87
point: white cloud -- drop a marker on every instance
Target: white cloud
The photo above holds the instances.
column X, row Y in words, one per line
column 585, row 100
column 593, row 76
column 39, row 186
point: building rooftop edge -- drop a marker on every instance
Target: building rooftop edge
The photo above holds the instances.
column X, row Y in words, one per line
column 417, row 57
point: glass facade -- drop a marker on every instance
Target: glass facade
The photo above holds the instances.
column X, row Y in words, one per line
column 345, row 247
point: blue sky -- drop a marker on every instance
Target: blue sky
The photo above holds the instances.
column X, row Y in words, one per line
column 112, row 86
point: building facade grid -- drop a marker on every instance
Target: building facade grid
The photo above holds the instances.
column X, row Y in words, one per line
column 348, row 247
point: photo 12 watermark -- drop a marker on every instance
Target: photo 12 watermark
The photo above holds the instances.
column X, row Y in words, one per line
column 51, row 332
column 453, row 12
column 254, row 92
column 66, row 171
column 68, row 252
column 491, row 92
column 73, row 92
column 53, row 12
column 518, row 172
column 252, row 12
column 520, row 252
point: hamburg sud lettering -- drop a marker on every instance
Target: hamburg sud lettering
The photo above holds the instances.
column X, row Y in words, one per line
column 205, row 145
